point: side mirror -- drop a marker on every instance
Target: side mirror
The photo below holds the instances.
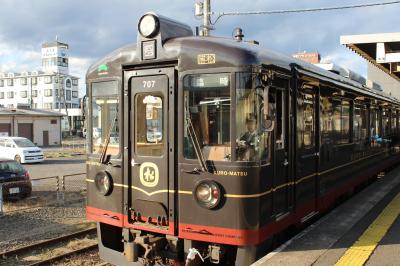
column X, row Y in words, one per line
column 268, row 121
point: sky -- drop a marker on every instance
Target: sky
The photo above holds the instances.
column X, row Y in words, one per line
column 93, row 28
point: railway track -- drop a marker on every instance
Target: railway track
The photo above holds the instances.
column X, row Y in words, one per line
column 52, row 250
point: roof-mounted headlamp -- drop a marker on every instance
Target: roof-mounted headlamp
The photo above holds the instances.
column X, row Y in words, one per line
column 149, row 25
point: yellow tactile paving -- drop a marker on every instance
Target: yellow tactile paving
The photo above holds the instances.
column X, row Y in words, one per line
column 362, row 249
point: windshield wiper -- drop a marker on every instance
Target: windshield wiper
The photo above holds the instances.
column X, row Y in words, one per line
column 195, row 141
column 103, row 158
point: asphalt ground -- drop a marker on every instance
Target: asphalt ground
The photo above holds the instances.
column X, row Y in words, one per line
column 364, row 230
column 57, row 167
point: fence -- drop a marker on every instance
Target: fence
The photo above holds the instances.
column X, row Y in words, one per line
column 65, row 190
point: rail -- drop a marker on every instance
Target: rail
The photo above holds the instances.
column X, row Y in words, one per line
column 20, row 252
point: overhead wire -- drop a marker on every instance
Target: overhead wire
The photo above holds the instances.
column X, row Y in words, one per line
column 271, row 12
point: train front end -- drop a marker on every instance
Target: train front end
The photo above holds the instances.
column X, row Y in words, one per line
column 179, row 138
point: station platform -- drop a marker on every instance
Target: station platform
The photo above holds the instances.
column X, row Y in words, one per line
column 364, row 230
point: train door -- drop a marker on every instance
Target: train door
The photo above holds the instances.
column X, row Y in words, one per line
column 307, row 149
column 281, row 183
column 151, row 189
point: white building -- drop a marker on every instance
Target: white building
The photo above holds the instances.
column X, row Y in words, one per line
column 51, row 88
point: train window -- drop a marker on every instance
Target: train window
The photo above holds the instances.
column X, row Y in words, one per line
column 393, row 121
column 149, row 124
column 360, row 123
column 280, row 119
column 341, row 120
column 305, row 119
column 375, row 132
column 207, row 110
column 385, row 122
column 251, row 141
column 326, row 118
column 105, row 117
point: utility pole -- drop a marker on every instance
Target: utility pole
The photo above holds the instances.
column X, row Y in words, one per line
column 203, row 9
column 206, row 17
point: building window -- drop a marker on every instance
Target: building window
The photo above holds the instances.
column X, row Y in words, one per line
column 34, row 81
column 23, row 81
column 34, row 105
column 1, row 82
column 23, row 94
column 34, row 93
column 10, row 94
column 68, row 105
column 68, row 83
column 53, row 121
column 10, row 106
column 48, row 92
column 47, row 80
column 68, row 95
column 74, row 105
column 48, row 106
column 1, row 95
column 10, row 82
column 75, row 82
column 74, row 94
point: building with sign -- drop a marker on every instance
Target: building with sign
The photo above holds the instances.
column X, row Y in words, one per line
column 51, row 88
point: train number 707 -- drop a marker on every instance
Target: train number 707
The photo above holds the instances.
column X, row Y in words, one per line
column 149, row 83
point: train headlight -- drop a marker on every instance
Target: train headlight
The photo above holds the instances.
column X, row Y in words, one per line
column 103, row 183
column 149, row 25
column 207, row 194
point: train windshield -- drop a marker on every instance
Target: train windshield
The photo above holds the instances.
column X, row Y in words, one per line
column 208, row 107
column 105, row 117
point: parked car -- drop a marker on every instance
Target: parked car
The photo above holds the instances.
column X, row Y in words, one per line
column 14, row 179
column 20, row 149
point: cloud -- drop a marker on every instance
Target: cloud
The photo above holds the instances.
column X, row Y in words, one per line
column 93, row 28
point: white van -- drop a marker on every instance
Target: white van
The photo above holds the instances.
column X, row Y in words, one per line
column 20, row 149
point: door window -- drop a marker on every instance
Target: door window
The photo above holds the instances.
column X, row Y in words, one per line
column 149, row 124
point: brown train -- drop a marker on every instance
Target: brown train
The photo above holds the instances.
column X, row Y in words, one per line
column 211, row 147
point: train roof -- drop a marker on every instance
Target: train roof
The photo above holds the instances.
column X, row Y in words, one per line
column 229, row 53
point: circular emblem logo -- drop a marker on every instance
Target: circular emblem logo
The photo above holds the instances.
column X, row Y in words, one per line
column 149, row 174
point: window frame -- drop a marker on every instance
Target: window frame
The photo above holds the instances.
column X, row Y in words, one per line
column 232, row 92
column 90, row 121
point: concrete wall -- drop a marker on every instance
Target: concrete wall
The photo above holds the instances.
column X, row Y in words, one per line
column 40, row 124
column 388, row 84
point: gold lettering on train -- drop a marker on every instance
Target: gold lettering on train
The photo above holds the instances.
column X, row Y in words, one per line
column 230, row 173
column 206, row 59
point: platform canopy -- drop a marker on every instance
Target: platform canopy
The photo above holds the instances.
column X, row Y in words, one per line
column 381, row 49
